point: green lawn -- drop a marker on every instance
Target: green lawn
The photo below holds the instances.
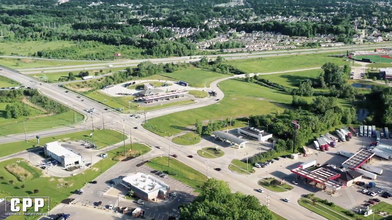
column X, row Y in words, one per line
column 34, row 63
column 5, row 82
column 195, row 77
column 198, row 94
column 241, row 99
column 101, row 138
column 54, row 77
column 374, row 58
column 165, row 105
column 322, row 210
column 278, row 217
column 241, row 167
column 379, row 65
column 339, row 212
column 123, row 102
column 37, row 122
column 292, row 79
column 266, row 183
column 210, row 152
column 30, row 47
column 189, row 138
column 58, row 188
column 282, row 63
column 131, row 150
column 179, row 171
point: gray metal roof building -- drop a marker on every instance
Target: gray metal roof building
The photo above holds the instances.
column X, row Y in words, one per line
column 231, row 138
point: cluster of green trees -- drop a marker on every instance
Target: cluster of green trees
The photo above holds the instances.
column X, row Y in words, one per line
column 322, row 114
column 379, row 103
column 213, row 126
column 44, row 102
column 17, row 110
column 217, row 65
column 216, row 201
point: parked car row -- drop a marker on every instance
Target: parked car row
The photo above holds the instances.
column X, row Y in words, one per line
column 159, row 173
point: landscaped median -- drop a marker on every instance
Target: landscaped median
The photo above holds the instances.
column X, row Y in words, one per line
column 333, row 212
column 189, row 138
column 178, row 171
column 241, row 167
column 275, row 185
column 101, row 138
column 210, row 152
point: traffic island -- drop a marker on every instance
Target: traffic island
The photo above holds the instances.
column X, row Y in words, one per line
column 210, row 152
column 274, row 185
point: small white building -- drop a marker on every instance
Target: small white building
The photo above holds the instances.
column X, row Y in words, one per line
column 145, row 187
column 148, row 86
column 88, row 77
column 260, row 135
column 65, row 157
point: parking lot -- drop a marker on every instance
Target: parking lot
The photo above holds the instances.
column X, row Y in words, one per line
column 110, row 194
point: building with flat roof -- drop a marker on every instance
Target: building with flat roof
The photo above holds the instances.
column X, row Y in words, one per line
column 386, row 73
column 230, row 138
column 260, row 135
column 65, row 157
column 145, row 187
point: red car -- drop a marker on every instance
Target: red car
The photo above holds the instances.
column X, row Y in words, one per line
column 372, row 202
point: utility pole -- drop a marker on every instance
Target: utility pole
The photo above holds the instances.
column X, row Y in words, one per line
column 168, row 158
column 92, row 122
column 296, row 128
column 267, row 197
column 247, row 164
column 145, row 115
column 24, row 127
column 130, row 135
column 103, row 121
column 124, row 137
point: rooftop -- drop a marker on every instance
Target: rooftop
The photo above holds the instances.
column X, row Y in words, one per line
column 145, row 182
column 229, row 137
column 59, row 150
column 358, row 159
column 322, row 175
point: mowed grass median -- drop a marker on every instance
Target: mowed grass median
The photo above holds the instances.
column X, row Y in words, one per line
column 178, row 171
column 101, row 138
column 292, row 79
column 5, row 82
column 241, row 100
column 283, row 63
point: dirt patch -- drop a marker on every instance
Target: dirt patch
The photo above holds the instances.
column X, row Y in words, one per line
column 27, row 61
column 27, row 102
column 263, row 99
column 233, row 98
column 19, row 172
column 52, row 179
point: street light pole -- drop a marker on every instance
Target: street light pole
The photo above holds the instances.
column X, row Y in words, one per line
column 24, row 127
column 92, row 122
column 124, row 137
column 247, row 164
column 103, row 121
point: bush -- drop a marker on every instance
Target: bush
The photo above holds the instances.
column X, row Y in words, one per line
column 349, row 213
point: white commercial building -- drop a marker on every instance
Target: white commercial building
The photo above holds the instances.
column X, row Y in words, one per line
column 145, row 187
column 260, row 135
column 65, row 157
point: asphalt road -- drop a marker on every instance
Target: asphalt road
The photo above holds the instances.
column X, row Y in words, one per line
column 244, row 184
column 231, row 56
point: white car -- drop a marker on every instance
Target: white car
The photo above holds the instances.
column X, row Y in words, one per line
column 140, row 202
column 1, row 200
column 295, row 182
column 110, row 206
column 259, row 190
column 285, row 200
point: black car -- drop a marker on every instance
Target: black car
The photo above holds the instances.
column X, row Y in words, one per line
column 93, row 182
column 134, row 127
column 98, row 203
column 218, row 169
column 105, row 109
column 376, row 200
column 190, row 156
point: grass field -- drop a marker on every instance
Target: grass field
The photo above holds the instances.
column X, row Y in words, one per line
column 54, row 77
column 292, row 79
column 379, row 65
column 195, row 77
column 179, row 171
column 35, row 63
column 133, row 150
column 210, row 152
column 5, row 82
column 189, row 138
column 30, row 47
column 338, row 213
column 374, row 58
column 266, row 183
column 198, row 94
column 37, row 122
column 101, row 138
column 241, row 167
column 241, row 99
column 57, row 188
column 282, row 63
